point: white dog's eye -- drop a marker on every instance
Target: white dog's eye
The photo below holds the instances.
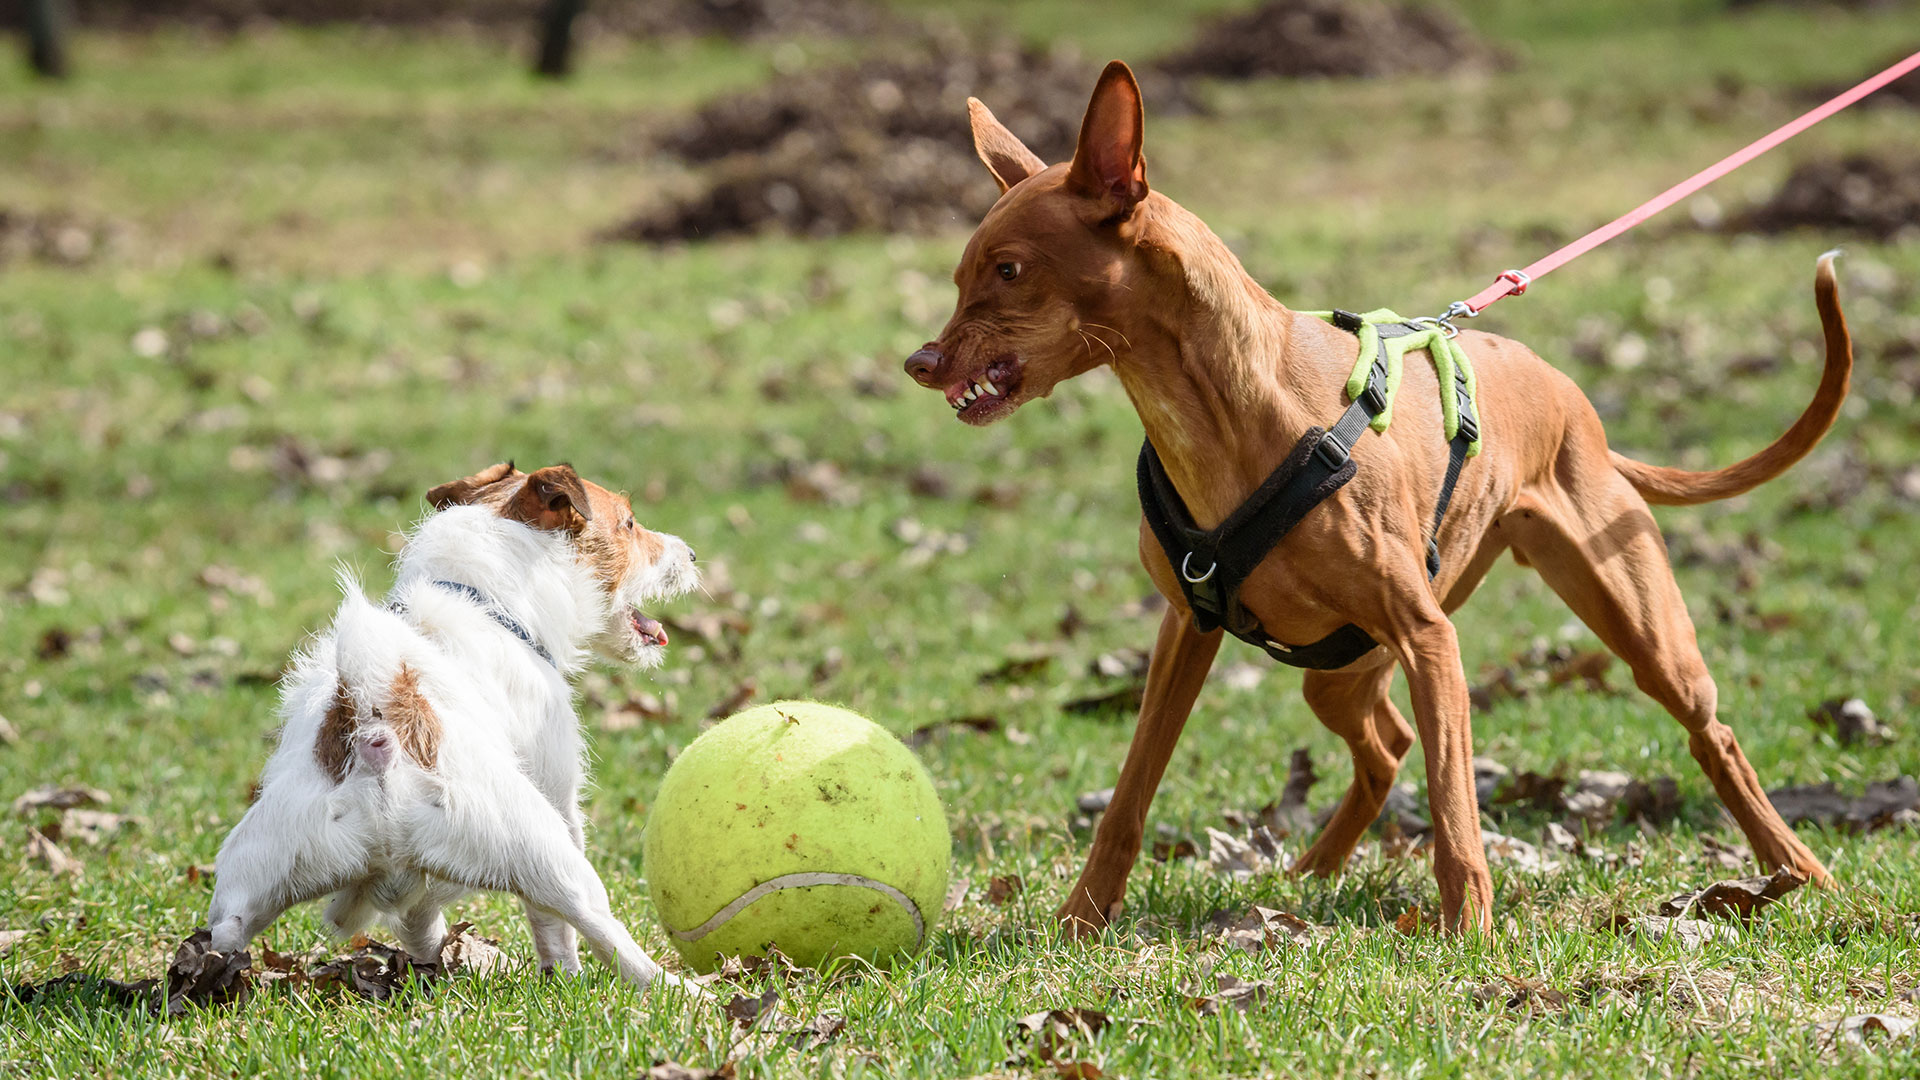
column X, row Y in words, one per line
column 629, row 523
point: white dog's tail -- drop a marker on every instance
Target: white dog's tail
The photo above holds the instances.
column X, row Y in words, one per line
column 378, row 713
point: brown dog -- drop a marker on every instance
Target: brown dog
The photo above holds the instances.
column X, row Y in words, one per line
column 1080, row 264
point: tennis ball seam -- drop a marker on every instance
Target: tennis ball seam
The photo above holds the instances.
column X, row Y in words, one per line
column 804, row 880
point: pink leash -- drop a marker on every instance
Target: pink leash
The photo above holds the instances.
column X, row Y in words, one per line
column 1515, row 282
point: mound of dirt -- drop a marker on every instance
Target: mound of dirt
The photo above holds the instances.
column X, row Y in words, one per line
column 1297, row 39
column 1861, row 193
column 882, row 145
column 1901, row 92
column 727, row 18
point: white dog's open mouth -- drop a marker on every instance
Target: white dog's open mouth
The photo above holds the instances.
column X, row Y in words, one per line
column 647, row 629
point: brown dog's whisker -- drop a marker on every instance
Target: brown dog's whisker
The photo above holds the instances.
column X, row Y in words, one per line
column 1123, row 337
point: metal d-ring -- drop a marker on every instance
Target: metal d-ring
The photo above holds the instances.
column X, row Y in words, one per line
column 1191, row 580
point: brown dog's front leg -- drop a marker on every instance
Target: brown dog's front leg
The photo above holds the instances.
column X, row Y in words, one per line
column 1430, row 652
column 1181, row 657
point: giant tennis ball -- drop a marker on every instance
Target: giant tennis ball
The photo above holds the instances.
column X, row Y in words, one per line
column 801, row 825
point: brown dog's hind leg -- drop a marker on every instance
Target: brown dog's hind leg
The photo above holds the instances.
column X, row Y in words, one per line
column 1354, row 706
column 1181, row 657
column 1599, row 548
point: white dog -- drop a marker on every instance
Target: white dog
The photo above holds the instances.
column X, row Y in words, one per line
column 430, row 744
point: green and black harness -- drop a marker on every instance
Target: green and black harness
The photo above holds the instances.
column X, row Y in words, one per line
column 1213, row 564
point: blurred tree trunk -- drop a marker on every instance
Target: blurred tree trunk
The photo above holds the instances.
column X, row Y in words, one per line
column 556, row 38
column 47, row 37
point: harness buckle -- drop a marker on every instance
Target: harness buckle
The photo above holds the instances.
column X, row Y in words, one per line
column 1332, row 451
column 1469, row 427
column 1375, row 395
column 1188, row 574
column 1272, row 644
column 1347, row 320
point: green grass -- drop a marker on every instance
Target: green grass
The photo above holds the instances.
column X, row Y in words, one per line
column 317, row 187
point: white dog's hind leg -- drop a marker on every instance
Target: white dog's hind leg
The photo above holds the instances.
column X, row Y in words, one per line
column 511, row 837
column 422, row 928
column 553, row 940
column 349, row 911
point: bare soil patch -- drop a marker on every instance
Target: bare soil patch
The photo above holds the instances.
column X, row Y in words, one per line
column 1299, row 39
column 882, row 145
column 1861, row 193
column 728, row 18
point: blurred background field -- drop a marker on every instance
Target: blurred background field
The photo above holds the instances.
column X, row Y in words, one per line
column 265, row 278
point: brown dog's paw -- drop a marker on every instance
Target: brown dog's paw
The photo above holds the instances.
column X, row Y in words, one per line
column 1082, row 921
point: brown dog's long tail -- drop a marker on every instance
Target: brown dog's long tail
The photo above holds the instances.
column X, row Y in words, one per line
column 1677, row 487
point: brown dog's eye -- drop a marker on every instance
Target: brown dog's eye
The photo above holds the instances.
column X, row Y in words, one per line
column 629, row 523
column 1009, row 271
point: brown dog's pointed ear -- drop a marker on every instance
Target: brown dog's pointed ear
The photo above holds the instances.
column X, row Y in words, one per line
column 1107, row 164
column 552, row 498
column 1007, row 158
column 461, row 492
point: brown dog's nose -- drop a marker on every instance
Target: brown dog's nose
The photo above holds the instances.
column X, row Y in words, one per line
column 922, row 364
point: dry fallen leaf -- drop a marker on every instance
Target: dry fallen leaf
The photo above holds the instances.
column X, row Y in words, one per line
column 201, row 976
column 1690, row 933
column 8, row 733
column 673, row 1070
column 822, row 1030
column 48, row 853
column 1018, row 669
column 1095, row 802
column 10, row 938
column 735, row 700
column 1726, row 856
column 1530, row 995
column 1267, row 928
column 1042, row 1037
column 1883, row 803
column 1124, row 701
column 1289, row 815
column 1855, row 1030
column 1003, row 888
column 59, row 798
column 1232, row 993
column 747, row 1011
column 1229, row 855
column 1852, row 722
column 91, row 826
column 1515, row 852
column 1739, row 897
column 935, row 729
column 463, row 950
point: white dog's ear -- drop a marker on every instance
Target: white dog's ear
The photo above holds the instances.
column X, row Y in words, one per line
column 462, row 492
column 552, row 498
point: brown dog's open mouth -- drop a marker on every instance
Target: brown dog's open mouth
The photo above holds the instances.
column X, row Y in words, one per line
column 977, row 401
column 647, row 629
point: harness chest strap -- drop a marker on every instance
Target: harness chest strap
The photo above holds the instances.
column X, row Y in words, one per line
column 1214, row 563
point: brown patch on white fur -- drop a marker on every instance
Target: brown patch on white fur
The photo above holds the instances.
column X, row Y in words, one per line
column 414, row 723
column 334, row 746
column 472, row 488
column 553, row 498
column 557, row 499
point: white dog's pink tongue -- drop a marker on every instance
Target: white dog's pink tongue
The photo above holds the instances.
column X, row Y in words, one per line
column 649, row 629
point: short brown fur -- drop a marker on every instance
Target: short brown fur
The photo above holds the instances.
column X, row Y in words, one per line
column 333, row 748
column 1080, row 265
column 415, row 725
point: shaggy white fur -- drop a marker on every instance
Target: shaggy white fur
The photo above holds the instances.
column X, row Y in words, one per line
column 497, row 804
